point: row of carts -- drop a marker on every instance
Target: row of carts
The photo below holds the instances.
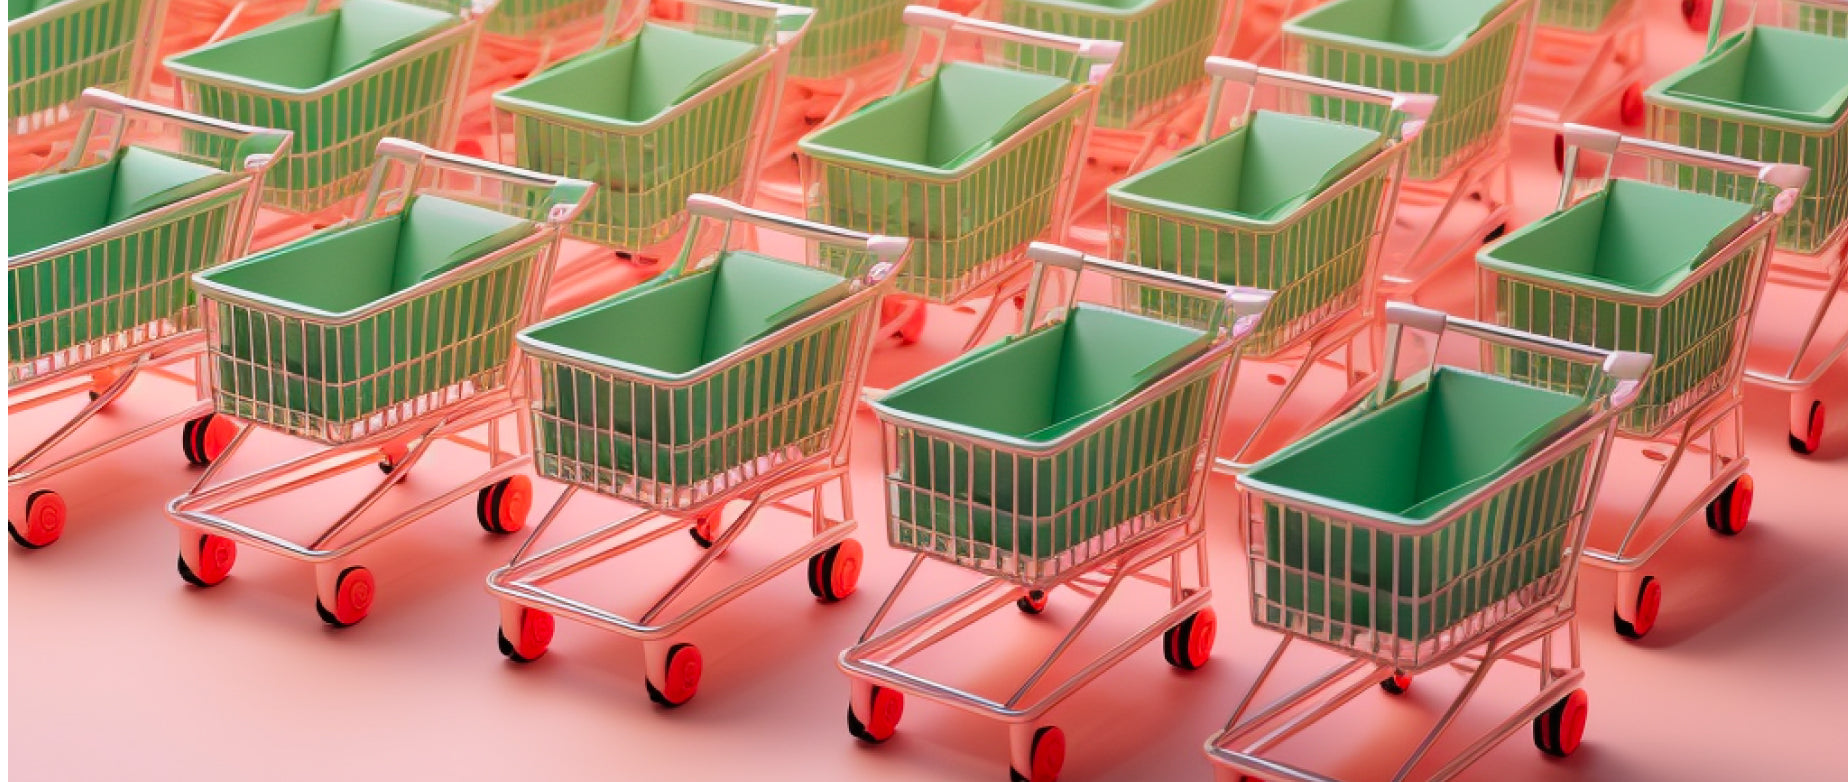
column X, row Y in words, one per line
column 381, row 232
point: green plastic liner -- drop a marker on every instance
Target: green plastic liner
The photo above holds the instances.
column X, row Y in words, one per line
column 1164, row 42
column 844, row 35
column 1415, row 574
column 528, row 18
column 1585, row 16
column 55, row 50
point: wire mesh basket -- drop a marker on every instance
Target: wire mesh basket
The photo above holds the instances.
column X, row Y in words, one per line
column 1164, row 42
column 524, row 18
column 56, row 50
column 1583, row 16
column 847, row 34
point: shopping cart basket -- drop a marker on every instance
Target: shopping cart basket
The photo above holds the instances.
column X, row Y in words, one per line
column 1073, row 454
column 1436, row 525
column 56, row 50
column 1742, row 99
column 971, row 160
column 373, row 341
column 1645, row 267
column 1289, row 203
column 98, row 256
column 1586, row 54
column 342, row 80
column 747, row 393
column 1469, row 53
column 658, row 116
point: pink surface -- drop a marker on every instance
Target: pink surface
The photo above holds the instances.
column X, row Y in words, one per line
column 120, row 671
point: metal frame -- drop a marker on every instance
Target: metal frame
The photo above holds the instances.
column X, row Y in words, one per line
column 1593, row 65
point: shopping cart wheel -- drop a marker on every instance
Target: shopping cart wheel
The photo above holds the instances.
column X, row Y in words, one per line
column 1728, row 513
column 1648, row 605
column 705, row 529
column 1809, row 440
column 1397, row 684
column 1033, row 602
column 1630, row 107
column 535, row 636
column 833, row 574
column 353, row 594
column 888, row 707
column 392, row 455
column 501, row 506
column 1048, row 757
column 205, row 437
column 100, row 381
column 1697, row 13
column 1189, row 645
column 1558, row 730
column 680, row 677
column 215, row 556
column 44, row 520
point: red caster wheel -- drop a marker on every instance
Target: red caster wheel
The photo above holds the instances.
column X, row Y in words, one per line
column 1729, row 512
column 44, row 521
column 833, row 574
column 501, row 506
column 535, row 636
column 681, row 674
column 469, row 147
column 206, row 437
column 391, row 456
column 353, row 594
column 1697, row 14
column 1630, row 107
column 1048, row 757
column 1809, row 440
column 1189, row 645
column 1397, row 684
column 1648, row 605
column 216, row 555
column 705, row 529
column 888, row 707
column 1034, row 602
column 100, row 381
column 1559, row 730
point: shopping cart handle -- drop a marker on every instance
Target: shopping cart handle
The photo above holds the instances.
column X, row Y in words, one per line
column 885, row 248
column 1599, row 140
column 1055, row 255
column 1628, row 369
column 1232, row 70
column 1431, row 321
column 1416, row 107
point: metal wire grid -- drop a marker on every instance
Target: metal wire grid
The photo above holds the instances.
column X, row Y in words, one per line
column 1475, row 86
column 1164, row 43
column 524, row 18
column 846, row 34
column 1585, row 16
column 1811, row 18
column 55, row 53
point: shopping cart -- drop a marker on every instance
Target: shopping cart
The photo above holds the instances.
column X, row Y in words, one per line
column 1737, row 101
column 1469, row 53
column 1291, row 203
column 98, row 259
column 55, row 51
column 342, row 80
column 971, row 184
column 1630, row 265
column 1586, row 54
column 1074, row 455
column 1437, row 525
column 657, row 116
column 754, row 404
column 373, row 341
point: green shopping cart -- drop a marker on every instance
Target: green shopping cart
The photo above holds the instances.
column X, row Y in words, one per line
column 56, row 49
column 1164, row 42
column 1677, row 273
column 522, row 18
column 971, row 160
column 1437, row 524
column 342, row 79
column 1073, row 454
column 744, row 391
column 377, row 339
column 99, row 252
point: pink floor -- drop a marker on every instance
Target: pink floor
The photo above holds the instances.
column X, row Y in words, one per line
column 120, row 671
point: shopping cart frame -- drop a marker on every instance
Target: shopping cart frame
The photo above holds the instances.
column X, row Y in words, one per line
column 672, row 668
column 1597, row 65
column 1156, row 556
column 36, row 133
column 394, row 443
column 1240, row 744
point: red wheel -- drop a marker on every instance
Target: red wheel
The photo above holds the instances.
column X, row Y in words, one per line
column 391, row 456
column 216, row 556
column 1034, row 602
column 44, row 522
column 681, row 677
column 205, row 438
column 354, row 591
column 1397, row 684
column 705, row 529
column 1560, row 729
column 835, row 573
column 1648, row 605
column 535, row 636
column 1729, row 512
column 1630, row 107
column 1048, row 757
column 1809, row 440
column 501, row 506
column 888, row 707
column 1697, row 13
column 1189, row 645
column 469, row 147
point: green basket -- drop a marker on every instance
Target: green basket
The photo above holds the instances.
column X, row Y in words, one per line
column 341, row 80
column 526, row 18
column 1231, row 210
column 847, row 34
column 1612, row 272
column 1585, row 16
column 1387, row 573
column 990, row 486
column 652, row 119
column 736, row 378
column 1465, row 52
column 327, row 336
column 1771, row 95
column 55, row 50
column 968, row 163
column 1163, row 44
